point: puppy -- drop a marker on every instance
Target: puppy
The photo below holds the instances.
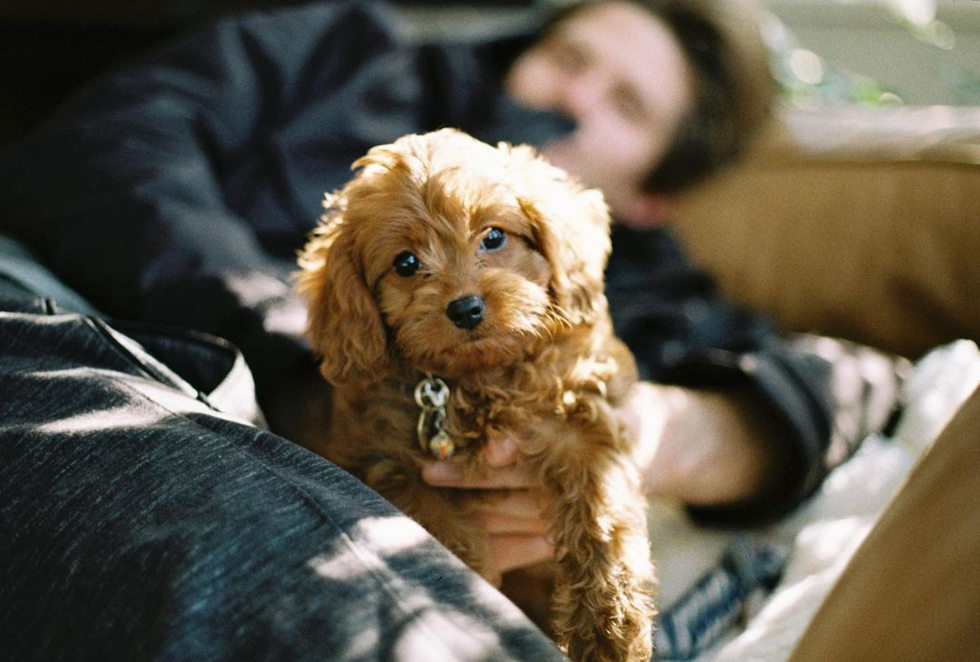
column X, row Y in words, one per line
column 455, row 294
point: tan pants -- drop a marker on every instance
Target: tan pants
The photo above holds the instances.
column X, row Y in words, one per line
column 912, row 590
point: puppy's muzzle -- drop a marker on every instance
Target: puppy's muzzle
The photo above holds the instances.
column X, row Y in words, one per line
column 466, row 312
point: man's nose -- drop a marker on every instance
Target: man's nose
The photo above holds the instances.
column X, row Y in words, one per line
column 583, row 94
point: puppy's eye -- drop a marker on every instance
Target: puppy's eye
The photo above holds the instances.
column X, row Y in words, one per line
column 406, row 264
column 494, row 240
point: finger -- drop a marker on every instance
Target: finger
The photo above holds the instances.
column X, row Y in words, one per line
column 450, row 474
column 515, row 504
column 444, row 473
column 500, row 452
column 511, row 552
column 504, row 524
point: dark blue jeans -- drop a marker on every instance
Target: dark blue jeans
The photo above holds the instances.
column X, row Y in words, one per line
column 141, row 517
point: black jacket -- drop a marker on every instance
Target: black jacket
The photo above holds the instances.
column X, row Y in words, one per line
column 179, row 189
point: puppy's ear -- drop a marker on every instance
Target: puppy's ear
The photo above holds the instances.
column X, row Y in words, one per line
column 344, row 323
column 570, row 225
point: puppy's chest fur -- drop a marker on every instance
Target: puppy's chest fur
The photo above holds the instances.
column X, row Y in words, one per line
column 565, row 381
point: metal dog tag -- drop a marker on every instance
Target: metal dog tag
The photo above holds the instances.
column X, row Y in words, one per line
column 432, row 395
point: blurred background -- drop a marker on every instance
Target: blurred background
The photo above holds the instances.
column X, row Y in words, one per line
column 825, row 52
column 917, row 52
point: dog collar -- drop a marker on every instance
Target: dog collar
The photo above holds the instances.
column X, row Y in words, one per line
column 432, row 396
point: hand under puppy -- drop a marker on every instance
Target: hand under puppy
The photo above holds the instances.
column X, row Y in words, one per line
column 516, row 526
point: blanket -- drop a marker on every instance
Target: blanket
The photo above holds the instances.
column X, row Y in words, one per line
column 746, row 596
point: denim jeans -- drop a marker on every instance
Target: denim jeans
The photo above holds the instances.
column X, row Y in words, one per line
column 142, row 516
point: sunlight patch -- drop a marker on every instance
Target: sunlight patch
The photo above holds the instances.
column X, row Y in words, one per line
column 441, row 635
column 375, row 537
column 390, row 535
column 100, row 421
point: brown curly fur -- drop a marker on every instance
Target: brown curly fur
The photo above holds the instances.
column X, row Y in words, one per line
column 542, row 366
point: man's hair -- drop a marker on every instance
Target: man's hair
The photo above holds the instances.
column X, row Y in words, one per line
column 733, row 85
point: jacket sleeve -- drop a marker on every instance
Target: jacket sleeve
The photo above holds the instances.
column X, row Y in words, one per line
column 828, row 393
column 124, row 191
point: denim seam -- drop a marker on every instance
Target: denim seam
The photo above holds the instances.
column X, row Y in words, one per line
column 104, row 331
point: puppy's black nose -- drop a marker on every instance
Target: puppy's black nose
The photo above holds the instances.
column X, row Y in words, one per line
column 466, row 312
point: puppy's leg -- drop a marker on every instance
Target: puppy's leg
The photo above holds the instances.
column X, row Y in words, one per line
column 603, row 605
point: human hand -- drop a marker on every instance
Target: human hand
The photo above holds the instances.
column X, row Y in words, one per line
column 645, row 411
column 512, row 516
column 703, row 447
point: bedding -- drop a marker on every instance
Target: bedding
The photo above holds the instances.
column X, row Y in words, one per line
column 812, row 546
